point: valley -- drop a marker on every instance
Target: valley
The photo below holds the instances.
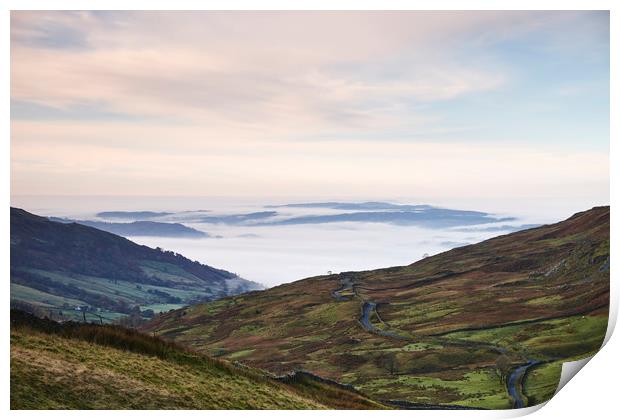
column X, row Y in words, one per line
column 72, row 271
column 461, row 328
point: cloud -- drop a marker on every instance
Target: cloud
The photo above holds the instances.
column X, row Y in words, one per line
column 125, row 158
column 250, row 69
column 256, row 102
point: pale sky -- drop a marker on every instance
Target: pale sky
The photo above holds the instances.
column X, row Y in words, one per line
column 334, row 104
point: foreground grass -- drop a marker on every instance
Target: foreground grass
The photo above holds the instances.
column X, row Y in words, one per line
column 49, row 372
column 52, row 368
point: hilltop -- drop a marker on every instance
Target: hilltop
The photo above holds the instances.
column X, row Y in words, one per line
column 57, row 267
column 486, row 325
column 79, row 366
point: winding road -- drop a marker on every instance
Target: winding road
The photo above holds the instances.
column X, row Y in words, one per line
column 368, row 308
column 514, row 384
column 514, row 381
column 345, row 284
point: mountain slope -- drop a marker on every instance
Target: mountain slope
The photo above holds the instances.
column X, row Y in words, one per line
column 61, row 266
column 72, row 366
column 485, row 325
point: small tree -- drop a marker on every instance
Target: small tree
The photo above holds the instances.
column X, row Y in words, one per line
column 502, row 366
column 390, row 363
column 148, row 313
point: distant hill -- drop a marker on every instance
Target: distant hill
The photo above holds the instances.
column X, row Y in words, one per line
column 485, row 325
column 132, row 215
column 64, row 266
column 432, row 218
column 367, row 212
column 140, row 228
column 239, row 219
column 73, row 366
column 367, row 205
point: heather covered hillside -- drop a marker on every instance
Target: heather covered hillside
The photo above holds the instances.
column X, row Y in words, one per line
column 485, row 325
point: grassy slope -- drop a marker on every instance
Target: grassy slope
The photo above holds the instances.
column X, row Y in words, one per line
column 87, row 368
column 135, row 293
column 539, row 294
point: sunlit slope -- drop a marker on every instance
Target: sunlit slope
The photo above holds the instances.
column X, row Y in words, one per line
column 486, row 325
column 70, row 366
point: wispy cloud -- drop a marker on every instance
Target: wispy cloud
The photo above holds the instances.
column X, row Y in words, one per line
column 245, row 68
column 117, row 96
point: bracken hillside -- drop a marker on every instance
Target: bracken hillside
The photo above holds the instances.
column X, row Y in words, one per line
column 485, row 325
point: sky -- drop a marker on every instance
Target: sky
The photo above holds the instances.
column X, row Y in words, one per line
column 311, row 104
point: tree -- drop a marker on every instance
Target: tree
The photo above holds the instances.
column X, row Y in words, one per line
column 148, row 313
column 390, row 363
column 502, row 366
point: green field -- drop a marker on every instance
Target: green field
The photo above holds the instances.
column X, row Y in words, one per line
column 133, row 293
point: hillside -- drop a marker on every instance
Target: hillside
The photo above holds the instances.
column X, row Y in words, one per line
column 61, row 266
column 485, row 325
column 73, row 366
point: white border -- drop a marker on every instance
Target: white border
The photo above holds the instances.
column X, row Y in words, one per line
column 592, row 395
